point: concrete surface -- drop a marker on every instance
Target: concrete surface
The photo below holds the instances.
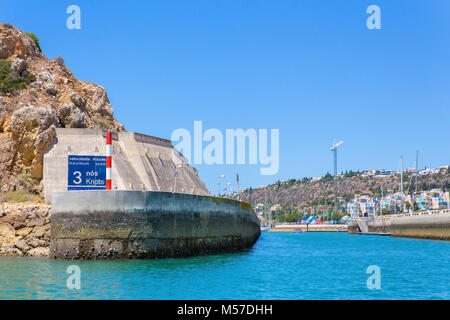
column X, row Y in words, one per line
column 146, row 224
column 434, row 226
column 140, row 162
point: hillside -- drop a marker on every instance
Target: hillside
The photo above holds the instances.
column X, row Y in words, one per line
column 38, row 95
column 307, row 193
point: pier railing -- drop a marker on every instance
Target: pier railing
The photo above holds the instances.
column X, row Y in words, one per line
column 418, row 213
column 394, row 216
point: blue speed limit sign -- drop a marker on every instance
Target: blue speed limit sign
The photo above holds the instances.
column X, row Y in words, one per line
column 86, row 173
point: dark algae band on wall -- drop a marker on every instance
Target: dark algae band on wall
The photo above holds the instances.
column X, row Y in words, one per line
column 147, row 225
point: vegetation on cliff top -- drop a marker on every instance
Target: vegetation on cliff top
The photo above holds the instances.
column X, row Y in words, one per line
column 34, row 38
column 10, row 80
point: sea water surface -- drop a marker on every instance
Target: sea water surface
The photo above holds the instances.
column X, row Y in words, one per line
column 280, row 266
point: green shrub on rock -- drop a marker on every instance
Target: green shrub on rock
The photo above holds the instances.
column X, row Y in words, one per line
column 19, row 196
column 34, row 38
column 10, row 80
column 24, row 179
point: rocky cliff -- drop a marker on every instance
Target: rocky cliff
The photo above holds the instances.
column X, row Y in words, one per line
column 24, row 230
column 37, row 95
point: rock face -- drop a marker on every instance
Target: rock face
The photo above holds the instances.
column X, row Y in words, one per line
column 24, row 230
column 54, row 98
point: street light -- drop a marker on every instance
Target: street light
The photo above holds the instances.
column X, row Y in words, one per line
column 227, row 188
column 220, row 177
column 175, row 176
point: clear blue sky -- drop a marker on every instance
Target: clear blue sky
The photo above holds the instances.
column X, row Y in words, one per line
column 309, row 68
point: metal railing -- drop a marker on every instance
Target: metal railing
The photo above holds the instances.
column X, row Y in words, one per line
column 393, row 216
column 418, row 213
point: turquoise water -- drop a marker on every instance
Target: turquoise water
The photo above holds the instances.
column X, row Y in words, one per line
column 280, row 266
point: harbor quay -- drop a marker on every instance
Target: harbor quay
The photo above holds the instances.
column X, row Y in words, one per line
column 433, row 225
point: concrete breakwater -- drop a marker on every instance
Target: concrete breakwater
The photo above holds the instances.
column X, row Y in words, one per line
column 147, row 224
column 433, row 225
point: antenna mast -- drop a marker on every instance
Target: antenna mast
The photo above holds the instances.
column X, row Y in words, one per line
column 334, row 150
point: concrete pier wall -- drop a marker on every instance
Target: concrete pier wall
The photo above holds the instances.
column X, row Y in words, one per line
column 434, row 225
column 424, row 227
column 146, row 224
column 352, row 227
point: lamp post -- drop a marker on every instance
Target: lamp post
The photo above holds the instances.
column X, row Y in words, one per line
column 228, row 188
column 175, row 175
column 237, row 185
column 334, row 150
column 220, row 177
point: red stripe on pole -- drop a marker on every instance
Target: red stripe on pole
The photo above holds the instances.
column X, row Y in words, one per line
column 109, row 138
column 108, row 159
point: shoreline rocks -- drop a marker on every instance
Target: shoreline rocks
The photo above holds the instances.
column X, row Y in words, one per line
column 24, row 230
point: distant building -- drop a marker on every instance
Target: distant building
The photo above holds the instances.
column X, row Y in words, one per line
column 353, row 209
column 386, row 173
column 428, row 171
column 363, row 205
column 259, row 206
column 369, row 173
column 275, row 207
column 392, row 201
column 433, row 200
